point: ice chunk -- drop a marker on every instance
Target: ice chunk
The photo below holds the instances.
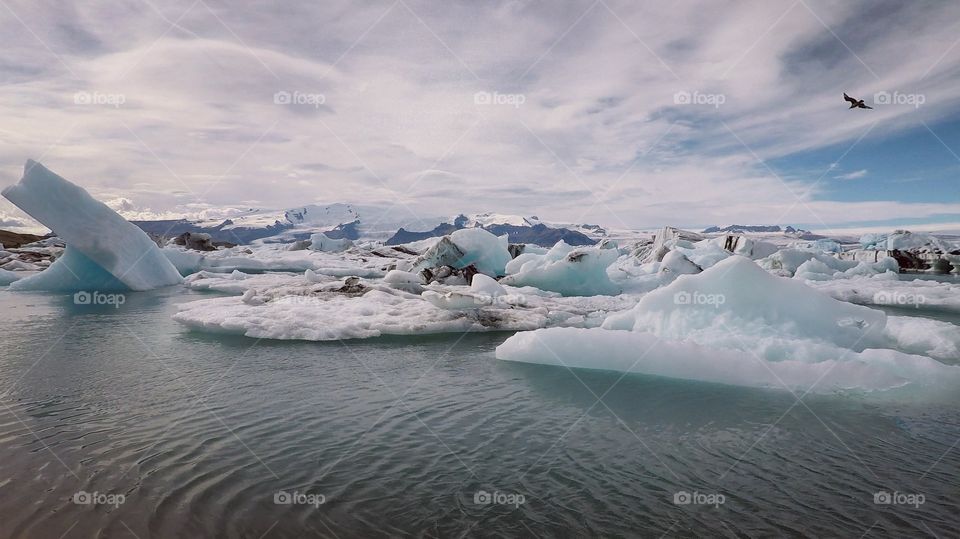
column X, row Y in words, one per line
column 636, row 352
column 934, row 338
column 72, row 271
column 580, row 271
column 787, row 261
column 332, row 316
column 667, row 238
column 99, row 241
column 737, row 324
column 820, row 245
column 402, row 277
column 7, row 277
column 736, row 293
column 886, row 290
column 485, row 285
column 484, row 292
column 675, row 263
column 321, row 242
column 289, row 306
column 185, row 261
column 465, row 247
column 20, row 265
column 904, row 240
column 816, row 270
column 404, row 280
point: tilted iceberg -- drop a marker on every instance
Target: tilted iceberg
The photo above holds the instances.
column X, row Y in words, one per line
column 104, row 251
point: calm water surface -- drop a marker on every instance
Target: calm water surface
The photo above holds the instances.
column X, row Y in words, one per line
column 200, row 435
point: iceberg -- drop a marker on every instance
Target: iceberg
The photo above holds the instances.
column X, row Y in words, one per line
column 476, row 247
column 645, row 353
column 322, row 242
column 738, row 324
column 787, row 261
column 580, row 271
column 736, row 293
column 904, row 240
column 7, row 277
column 104, row 251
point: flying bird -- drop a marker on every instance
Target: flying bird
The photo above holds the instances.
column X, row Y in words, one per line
column 855, row 103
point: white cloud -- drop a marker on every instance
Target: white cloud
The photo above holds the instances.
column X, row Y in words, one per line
column 855, row 175
column 598, row 135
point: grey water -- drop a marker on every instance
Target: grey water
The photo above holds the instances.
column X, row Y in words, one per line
column 119, row 422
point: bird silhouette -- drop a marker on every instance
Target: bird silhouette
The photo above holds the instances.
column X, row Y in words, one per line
column 855, row 103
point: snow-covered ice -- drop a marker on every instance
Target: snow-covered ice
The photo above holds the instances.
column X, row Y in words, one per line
column 288, row 306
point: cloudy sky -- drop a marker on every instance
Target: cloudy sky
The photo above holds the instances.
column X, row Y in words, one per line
column 623, row 113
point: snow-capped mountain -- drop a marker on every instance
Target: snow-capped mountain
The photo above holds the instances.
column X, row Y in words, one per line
column 761, row 229
column 395, row 225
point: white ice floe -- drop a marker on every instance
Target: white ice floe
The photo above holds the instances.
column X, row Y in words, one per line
column 820, row 245
column 905, row 240
column 571, row 271
column 737, row 324
column 103, row 249
column 645, row 353
column 276, row 257
column 887, row 290
column 287, row 306
column 817, row 270
column 787, row 261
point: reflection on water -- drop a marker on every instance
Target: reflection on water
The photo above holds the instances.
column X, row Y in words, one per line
column 117, row 420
